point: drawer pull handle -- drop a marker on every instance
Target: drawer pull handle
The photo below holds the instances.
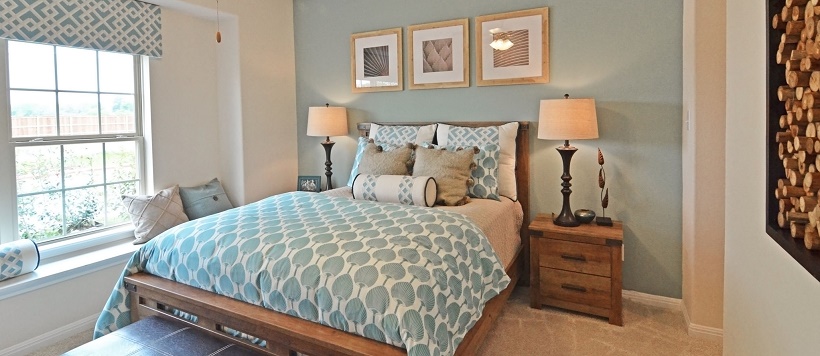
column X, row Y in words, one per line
column 573, row 287
column 567, row 256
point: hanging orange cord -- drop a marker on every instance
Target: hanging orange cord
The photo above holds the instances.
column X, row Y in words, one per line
column 218, row 34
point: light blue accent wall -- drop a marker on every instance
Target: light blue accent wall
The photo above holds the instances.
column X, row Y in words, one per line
column 626, row 54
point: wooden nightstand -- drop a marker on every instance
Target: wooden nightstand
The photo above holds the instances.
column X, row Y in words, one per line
column 576, row 268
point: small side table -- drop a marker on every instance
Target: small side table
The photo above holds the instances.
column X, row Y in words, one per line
column 577, row 268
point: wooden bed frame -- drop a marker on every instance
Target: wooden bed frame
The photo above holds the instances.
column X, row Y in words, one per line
column 288, row 335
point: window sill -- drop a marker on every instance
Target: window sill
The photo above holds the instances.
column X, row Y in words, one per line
column 66, row 266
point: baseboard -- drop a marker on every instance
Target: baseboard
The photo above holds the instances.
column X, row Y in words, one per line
column 51, row 337
column 653, row 300
column 700, row 331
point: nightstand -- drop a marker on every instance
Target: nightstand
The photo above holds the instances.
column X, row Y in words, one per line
column 576, row 268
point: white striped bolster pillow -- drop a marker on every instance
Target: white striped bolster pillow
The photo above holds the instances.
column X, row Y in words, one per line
column 406, row 190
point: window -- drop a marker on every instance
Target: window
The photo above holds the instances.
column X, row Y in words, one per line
column 76, row 135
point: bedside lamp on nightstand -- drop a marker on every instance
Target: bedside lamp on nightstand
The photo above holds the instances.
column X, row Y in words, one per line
column 567, row 119
column 327, row 121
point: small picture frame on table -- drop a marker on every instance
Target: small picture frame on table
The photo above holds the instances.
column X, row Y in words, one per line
column 309, row 184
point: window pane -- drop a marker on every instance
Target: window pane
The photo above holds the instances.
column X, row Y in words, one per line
column 117, row 214
column 121, row 161
column 76, row 69
column 84, row 209
column 79, row 114
column 83, row 165
column 31, row 66
column 40, row 217
column 118, row 114
column 38, row 169
column 116, row 72
column 33, row 113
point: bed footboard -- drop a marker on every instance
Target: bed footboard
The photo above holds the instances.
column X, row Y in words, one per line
column 282, row 334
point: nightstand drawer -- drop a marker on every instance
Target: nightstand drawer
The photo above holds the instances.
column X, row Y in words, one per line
column 575, row 287
column 575, row 256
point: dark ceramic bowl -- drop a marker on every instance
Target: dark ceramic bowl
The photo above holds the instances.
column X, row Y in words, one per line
column 584, row 216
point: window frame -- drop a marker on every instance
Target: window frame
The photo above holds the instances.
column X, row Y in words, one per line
column 9, row 229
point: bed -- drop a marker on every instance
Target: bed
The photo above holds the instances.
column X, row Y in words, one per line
column 277, row 333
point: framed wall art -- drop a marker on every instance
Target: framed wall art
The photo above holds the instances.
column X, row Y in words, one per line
column 440, row 55
column 513, row 48
column 375, row 61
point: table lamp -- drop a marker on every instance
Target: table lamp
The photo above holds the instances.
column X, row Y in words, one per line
column 327, row 121
column 567, row 119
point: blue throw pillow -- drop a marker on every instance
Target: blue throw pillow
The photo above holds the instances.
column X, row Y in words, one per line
column 204, row 200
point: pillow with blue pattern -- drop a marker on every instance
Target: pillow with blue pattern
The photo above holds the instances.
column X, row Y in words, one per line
column 503, row 137
column 485, row 174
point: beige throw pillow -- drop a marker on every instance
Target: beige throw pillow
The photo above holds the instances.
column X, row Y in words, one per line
column 151, row 215
column 377, row 161
column 451, row 170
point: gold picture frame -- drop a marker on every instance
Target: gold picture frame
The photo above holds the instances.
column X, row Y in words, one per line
column 376, row 61
column 440, row 54
column 526, row 61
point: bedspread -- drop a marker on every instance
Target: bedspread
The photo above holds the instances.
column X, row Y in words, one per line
column 413, row 277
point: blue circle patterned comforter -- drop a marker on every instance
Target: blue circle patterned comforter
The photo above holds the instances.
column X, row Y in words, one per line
column 413, row 277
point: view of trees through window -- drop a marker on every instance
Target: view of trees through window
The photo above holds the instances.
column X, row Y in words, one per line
column 77, row 148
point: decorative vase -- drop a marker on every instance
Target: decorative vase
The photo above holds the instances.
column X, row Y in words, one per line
column 584, row 216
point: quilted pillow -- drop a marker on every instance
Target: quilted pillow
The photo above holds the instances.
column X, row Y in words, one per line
column 400, row 134
column 151, row 215
column 204, row 200
column 376, row 160
column 363, row 141
column 503, row 136
column 405, row 190
column 450, row 169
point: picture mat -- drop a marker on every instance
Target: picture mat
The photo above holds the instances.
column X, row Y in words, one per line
column 457, row 35
column 391, row 41
column 534, row 69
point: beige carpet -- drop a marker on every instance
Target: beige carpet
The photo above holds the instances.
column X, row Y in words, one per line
column 521, row 330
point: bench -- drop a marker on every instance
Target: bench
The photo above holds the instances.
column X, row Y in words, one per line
column 160, row 336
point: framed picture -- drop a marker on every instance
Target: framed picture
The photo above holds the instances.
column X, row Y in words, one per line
column 440, row 55
column 309, row 184
column 375, row 61
column 513, row 48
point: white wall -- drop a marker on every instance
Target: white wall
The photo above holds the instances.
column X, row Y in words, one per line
column 223, row 111
column 771, row 303
column 704, row 95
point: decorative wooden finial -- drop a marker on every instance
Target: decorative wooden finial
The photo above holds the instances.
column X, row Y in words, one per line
column 218, row 33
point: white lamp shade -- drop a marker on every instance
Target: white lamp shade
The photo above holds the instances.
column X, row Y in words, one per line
column 567, row 119
column 327, row 121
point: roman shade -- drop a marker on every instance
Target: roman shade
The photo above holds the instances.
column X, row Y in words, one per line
column 125, row 26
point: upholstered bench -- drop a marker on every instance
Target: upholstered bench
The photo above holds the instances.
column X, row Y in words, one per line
column 158, row 336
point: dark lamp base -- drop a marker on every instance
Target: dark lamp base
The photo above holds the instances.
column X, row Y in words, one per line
column 603, row 221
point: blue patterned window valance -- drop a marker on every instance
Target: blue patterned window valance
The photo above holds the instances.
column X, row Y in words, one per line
column 126, row 26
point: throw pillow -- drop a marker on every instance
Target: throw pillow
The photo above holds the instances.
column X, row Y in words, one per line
column 401, row 134
column 363, row 141
column 503, row 136
column 395, row 189
column 204, row 200
column 485, row 175
column 450, row 169
column 376, row 160
column 151, row 215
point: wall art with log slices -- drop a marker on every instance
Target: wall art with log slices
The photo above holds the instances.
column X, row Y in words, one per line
column 793, row 129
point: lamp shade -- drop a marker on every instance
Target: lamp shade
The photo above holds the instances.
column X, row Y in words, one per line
column 567, row 119
column 327, row 121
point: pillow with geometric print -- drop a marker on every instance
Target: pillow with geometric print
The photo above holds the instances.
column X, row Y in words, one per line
column 151, row 215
